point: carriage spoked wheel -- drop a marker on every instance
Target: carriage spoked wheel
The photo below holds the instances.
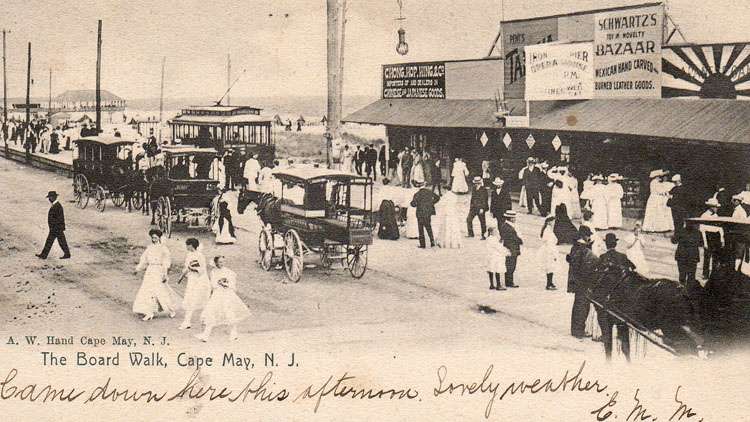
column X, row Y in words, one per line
column 265, row 249
column 100, row 198
column 81, row 191
column 293, row 256
column 164, row 216
column 356, row 260
column 118, row 199
column 136, row 201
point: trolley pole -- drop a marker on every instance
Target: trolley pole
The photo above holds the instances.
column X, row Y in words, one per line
column 5, row 87
column 333, row 65
column 49, row 99
column 28, row 94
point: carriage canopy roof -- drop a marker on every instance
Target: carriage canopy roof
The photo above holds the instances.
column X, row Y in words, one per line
column 312, row 175
column 186, row 149
column 106, row 140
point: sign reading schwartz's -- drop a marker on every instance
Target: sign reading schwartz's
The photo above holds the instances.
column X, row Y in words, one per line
column 627, row 53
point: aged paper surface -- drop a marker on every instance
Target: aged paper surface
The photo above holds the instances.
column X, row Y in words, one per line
column 233, row 194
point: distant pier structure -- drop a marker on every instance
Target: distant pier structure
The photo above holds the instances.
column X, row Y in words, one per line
column 81, row 101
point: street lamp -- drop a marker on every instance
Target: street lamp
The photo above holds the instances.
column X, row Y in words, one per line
column 402, row 48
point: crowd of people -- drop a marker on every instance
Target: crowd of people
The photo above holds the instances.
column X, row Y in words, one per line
column 37, row 136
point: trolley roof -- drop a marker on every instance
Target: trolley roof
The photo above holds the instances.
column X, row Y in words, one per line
column 186, row 149
column 312, row 175
column 107, row 140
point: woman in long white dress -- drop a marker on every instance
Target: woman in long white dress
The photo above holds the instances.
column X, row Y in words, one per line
column 450, row 222
column 574, row 206
column 459, row 174
column 217, row 172
column 560, row 188
column 198, row 288
column 224, row 307
column 614, row 201
column 155, row 294
column 346, row 159
column 597, row 197
column 224, row 228
column 635, row 253
column 658, row 216
column 417, row 171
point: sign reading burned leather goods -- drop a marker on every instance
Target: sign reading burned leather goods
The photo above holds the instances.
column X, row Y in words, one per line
column 414, row 80
column 627, row 50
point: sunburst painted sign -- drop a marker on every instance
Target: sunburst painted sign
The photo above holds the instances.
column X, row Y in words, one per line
column 706, row 71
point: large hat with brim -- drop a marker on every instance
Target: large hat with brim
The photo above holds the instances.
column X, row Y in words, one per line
column 713, row 202
column 477, row 179
column 656, row 173
column 498, row 181
column 597, row 177
column 510, row 214
column 51, row 194
column 739, row 196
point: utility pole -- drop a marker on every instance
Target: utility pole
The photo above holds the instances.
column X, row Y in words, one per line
column 49, row 102
column 334, row 67
column 229, row 76
column 98, row 78
column 161, row 97
column 28, row 91
column 5, row 86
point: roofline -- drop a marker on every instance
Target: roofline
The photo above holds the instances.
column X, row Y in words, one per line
column 323, row 177
column 585, row 12
column 481, row 59
column 706, row 44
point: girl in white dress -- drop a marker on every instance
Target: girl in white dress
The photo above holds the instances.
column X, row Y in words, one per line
column 198, row 287
column 548, row 252
column 495, row 260
column 224, row 307
column 154, row 293
column 635, row 252
column 450, row 222
column 459, row 174
column 417, row 171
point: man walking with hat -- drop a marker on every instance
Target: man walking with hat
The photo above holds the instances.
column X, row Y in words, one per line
column 500, row 200
column 612, row 257
column 477, row 207
column 56, row 223
column 531, row 177
column 512, row 242
column 424, row 201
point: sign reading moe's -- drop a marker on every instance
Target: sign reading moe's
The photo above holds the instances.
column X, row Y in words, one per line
column 414, row 80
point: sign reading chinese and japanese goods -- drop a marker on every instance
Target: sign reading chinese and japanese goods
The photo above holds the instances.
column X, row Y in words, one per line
column 627, row 53
column 414, row 80
column 559, row 72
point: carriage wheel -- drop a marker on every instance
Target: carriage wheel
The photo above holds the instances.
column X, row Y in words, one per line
column 356, row 260
column 118, row 199
column 100, row 198
column 81, row 191
column 136, row 201
column 265, row 249
column 164, row 216
column 293, row 259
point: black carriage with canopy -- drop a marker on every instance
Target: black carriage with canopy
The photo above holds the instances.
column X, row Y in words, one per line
column 319, row 211
column 103, row 167
column 183, row 190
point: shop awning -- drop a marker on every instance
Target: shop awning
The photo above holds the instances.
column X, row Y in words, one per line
column 701, row 120
column 428, row 113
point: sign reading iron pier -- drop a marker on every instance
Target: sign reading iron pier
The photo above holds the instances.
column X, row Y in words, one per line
column 414, row 80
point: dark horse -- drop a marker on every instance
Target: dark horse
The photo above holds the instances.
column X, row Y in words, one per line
column 268, row 207
column 647, row 304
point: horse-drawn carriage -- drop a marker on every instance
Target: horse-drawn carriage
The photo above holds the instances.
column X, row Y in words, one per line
column 682, row 319
column 100, row 171
column 318, row 211
column 182, row 188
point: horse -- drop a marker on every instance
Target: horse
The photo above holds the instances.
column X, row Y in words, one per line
column 649, row 304
column 267, row 206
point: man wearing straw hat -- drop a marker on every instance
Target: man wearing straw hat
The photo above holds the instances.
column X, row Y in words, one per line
column 56, row 223
column 512, row 242
column 713, row 237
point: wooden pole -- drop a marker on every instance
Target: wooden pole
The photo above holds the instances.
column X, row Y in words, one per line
column 229, row 80
column 49, row 99
column 28, row 89
column 5, row 85
column 161, row 98
column 98, row 78
column 340, row 93
column 333, row 67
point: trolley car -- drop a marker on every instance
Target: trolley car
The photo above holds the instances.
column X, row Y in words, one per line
column 320, row 211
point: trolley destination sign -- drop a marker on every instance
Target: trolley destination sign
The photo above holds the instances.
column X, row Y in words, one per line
column 414, row 80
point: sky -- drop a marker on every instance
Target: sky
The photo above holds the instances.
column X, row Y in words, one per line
column 280, row 44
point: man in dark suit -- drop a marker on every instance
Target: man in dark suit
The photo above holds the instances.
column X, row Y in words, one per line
column 406, row 161
column 612, row 257
column 424, row 201
column 582, row 267
column 383, row 161
column 477, row 207
column 56, row 223
column 500, row 201
column 679, row 203
column 359, row 156
column 372, row 161
column 545, row 189
column 531, row 177
column 513, row 243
